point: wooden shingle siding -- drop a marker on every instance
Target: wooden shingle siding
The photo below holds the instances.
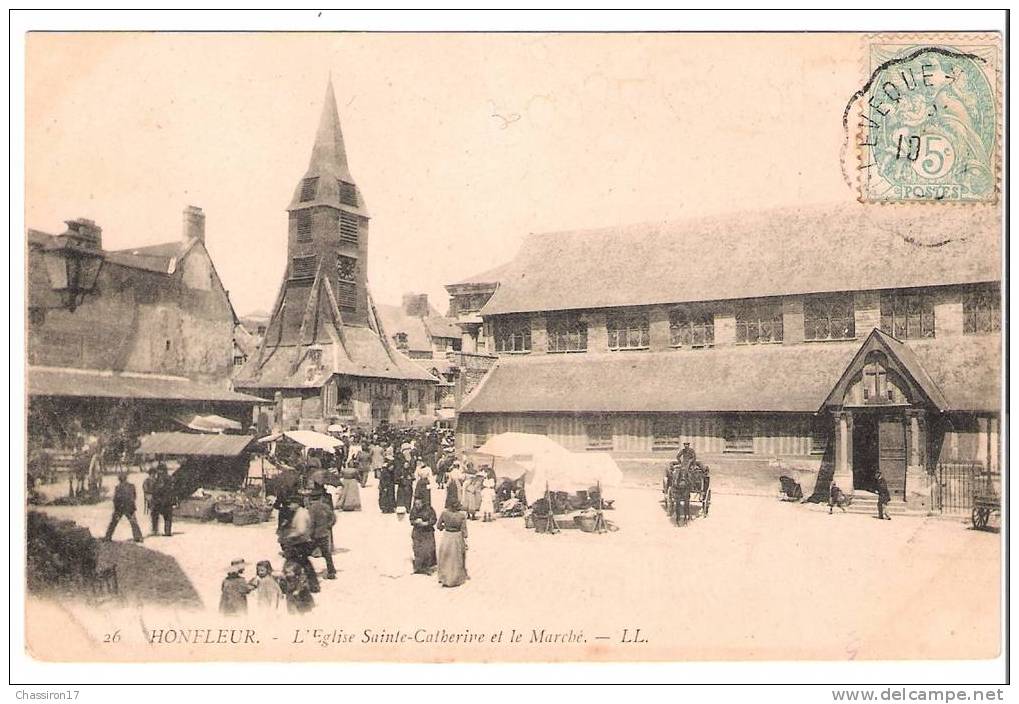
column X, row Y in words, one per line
column 774, row 435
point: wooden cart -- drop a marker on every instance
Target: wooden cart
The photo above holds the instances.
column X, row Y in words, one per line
column 687, row 486
column 986, row 498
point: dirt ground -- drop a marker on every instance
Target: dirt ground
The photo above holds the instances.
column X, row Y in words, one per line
column 757, row 579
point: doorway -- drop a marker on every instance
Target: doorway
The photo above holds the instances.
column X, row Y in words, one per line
column 879, row 442
column 865, row 451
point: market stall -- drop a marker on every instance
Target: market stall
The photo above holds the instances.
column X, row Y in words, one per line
column 211, row 479
column 560, row 486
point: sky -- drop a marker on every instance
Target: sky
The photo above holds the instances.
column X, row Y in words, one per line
column 461, row 144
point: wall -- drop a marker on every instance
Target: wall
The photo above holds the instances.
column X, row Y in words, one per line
column 782, row 444
column 473, row 368
column 302, row 408
column 967, row 438
column 139, row 321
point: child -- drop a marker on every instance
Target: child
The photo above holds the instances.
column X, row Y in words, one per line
column 836, row 498
column 295, row 587
column 487, row 500
column 266, row 587
column 234, row 597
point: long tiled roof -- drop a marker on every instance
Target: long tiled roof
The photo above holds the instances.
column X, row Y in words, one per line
column 49, row 381
column 816, row 249
column 776, row 378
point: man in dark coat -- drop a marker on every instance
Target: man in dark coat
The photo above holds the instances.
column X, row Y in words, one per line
column 322, row 520
column 883, row 496
column 162, row 501
column 686, row 456
column 124, row 504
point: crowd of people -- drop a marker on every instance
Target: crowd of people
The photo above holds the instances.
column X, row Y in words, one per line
column 408, row 465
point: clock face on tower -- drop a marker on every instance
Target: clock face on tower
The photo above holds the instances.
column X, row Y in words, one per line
column 346, row 268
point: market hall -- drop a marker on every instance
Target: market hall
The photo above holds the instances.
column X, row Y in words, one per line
column 865, row 325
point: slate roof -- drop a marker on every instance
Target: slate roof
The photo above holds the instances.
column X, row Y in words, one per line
column 767, row 378
column 158, row 258
column 490, row 276
column 779, row 252
column 395, row 320
column 49, row 381
column 441, row 326
column 161, row 258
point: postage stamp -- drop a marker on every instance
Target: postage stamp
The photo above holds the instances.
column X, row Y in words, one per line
column 929, row 120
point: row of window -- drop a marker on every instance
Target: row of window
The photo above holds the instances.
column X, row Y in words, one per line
column 347, row 191
column 348, row 227
column 830, row 317
column 737, row 435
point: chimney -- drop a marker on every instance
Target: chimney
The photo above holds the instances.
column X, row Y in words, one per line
column 194, row 224
column 415, row 305
column 84, row 233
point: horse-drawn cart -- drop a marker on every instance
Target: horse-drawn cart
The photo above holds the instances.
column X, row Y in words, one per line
column 684, row 485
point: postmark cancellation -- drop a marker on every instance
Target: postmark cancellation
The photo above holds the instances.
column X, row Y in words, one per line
column 928, row 119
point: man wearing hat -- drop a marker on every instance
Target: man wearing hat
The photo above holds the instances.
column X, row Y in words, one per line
column 686, row 456
column 125, row 501
column 322, row 520
column 162, row 501
column 296, row 539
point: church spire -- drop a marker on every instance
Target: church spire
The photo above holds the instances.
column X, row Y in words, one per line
column 328, row 154
column 327, row 180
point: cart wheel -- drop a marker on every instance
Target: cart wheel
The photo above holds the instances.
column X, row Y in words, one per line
column 980, row 516
column 985, row 517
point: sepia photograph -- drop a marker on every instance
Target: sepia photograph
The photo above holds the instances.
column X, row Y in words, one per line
column 512, row 347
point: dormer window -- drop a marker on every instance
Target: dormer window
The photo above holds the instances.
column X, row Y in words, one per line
column 348, row 193
column 315, row 355
column 309, row 187
column 400, row 339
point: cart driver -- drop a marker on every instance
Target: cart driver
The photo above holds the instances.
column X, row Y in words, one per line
column 686, row 456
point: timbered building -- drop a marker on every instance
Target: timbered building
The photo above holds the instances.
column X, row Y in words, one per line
column 820, row 343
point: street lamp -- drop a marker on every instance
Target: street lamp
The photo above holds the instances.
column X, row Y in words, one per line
column 73, row 261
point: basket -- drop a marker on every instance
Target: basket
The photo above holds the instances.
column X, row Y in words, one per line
column 201, row 509
column 246, row 516
column 586, row 523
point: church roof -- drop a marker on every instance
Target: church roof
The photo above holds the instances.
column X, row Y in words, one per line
column 285, row 361
column 328, row 165
column 764, row 378
column 746, row 255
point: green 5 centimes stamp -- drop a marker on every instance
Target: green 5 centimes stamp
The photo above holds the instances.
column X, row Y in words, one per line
column 929, row 119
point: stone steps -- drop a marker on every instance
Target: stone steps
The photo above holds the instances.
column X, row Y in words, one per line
column 866, row 503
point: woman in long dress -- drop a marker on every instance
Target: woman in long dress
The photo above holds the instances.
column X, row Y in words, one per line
column 351, row 490
column 453, row 548
column 472, row 495
column 387, row 498
column 423, row 483
column 422, row 536
column 405, row 483
column 454, row 486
